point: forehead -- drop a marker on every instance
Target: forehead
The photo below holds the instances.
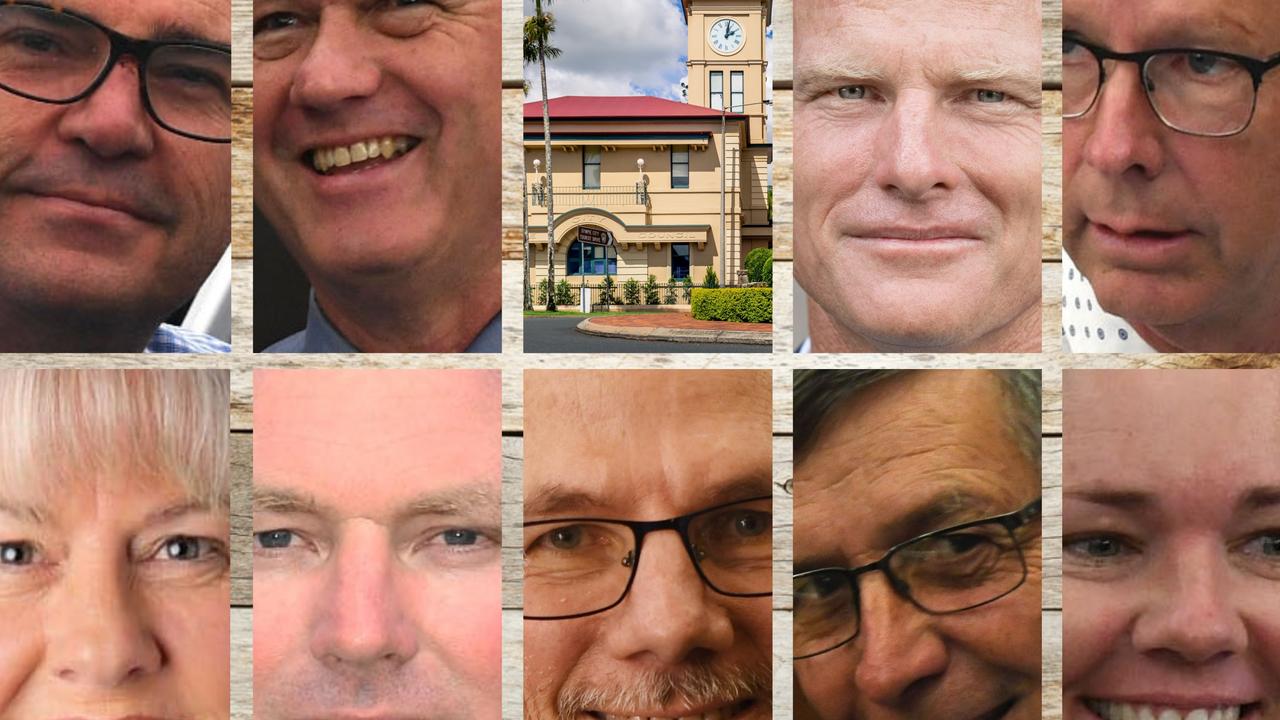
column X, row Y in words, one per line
column 1148, row 429
column 1004, row 31
column 208, row 19
column 1253, row 23
column 353, row 437
column 672, row 437
column 910, row 437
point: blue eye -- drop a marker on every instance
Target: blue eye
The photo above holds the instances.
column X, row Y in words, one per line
column 274, row 539
column 182, row 547
column 17, row 553
column 459, row 536
column 852, row 92
column 990, row 96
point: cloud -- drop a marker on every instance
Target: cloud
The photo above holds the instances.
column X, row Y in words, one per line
column 614, row 47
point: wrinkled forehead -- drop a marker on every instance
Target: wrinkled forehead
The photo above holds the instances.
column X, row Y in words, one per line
column 1245, row 26
column 208, row 20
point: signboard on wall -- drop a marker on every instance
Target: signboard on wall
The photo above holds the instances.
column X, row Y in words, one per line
column 595, row 236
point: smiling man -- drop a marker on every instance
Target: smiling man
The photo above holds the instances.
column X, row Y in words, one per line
column 647, row 545
column 1171, row 159
column 376, row 546
column 376, row 159
column 917, row 158
column 115, row 199
column 917, row 544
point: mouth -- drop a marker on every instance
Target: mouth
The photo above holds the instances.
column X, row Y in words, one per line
column 360, row 155
column 1113, row 710
column 1139, row 233
column 720, row 712
column 918, row 234
column 93, row 207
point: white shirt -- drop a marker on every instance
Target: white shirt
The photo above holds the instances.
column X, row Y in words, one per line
column 1086, row 327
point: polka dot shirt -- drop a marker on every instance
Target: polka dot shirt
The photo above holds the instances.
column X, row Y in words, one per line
column 1086, row 327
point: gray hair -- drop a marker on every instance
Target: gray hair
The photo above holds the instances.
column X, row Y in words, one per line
column 62, row 426
column 819, row 393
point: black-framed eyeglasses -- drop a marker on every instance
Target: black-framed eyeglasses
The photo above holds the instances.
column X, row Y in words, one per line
column 941, row 572
column 60, row 57
column 1198, row 92
column 579, row 566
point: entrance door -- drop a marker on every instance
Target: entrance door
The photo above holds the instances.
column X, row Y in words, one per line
column 679, row 261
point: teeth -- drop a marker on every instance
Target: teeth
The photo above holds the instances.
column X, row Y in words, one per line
column 323, row 159
column 1125, row 711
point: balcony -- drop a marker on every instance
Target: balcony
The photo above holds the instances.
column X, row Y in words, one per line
column 609, row 196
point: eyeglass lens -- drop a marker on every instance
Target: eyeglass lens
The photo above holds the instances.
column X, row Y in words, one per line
column 1195, row 92
column 577, row 567
column 941, row 574
column 55, row 57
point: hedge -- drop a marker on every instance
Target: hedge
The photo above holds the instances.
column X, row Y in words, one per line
column 734, row 304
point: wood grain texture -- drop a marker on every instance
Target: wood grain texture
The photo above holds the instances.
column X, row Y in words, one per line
column 241, row 663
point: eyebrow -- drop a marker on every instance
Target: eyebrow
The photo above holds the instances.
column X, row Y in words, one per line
column 816, row 77
column 1261, row 497
column 1129, row 500
column 558, row 499
column 947, row 508
column 468, row 500
column 22, row 511
column 165, row 514
column 164, row 31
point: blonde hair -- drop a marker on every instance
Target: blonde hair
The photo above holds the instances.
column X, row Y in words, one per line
column 60, row 426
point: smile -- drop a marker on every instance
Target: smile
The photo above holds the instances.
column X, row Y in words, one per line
column 723, row 712
column 336, row 158
column 1133, row 711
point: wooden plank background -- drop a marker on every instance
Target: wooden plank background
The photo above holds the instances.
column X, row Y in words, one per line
column 512, row 361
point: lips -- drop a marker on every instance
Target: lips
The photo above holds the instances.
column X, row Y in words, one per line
column 345, row 156
column 721, row 712
column 918, row 233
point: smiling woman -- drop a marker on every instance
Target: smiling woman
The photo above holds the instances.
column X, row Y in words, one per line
column 114, row 548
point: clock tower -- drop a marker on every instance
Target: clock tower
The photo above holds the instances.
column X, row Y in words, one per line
column 727, row 60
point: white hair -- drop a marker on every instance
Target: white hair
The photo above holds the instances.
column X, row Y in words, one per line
column 62, row 426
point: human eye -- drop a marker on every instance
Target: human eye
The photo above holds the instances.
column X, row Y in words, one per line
column 989, row 96
column 16, row 554
column 273, row 539
column 1262, row 551
column 1099, row 552
column 275, row 22
column 852, row 92
column 187, row 548
column 457, row 543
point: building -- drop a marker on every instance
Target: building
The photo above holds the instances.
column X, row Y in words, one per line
column 648, row 186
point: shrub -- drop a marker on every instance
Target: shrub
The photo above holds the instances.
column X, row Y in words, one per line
column 766, row 274
column 651, row 291
column 710, row 280
column 631, row 291
column 606, row 291
column 734, row 304
column 669, row 293
column 754, row 264
column 687, row 282
column 564, row 293
column 542, row 291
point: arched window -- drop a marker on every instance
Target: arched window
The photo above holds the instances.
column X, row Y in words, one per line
column 586, row 259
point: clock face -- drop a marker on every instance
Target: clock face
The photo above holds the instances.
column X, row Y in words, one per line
column 726, row 36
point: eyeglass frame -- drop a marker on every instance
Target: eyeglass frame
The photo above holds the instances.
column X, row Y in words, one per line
column 639, row 530
column 1009, row 521
column 122, row 45
column 1257, row 70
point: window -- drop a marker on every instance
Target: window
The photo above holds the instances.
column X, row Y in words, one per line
column 717, row 90
column 735, row 91
column 591, row 168
column 584, row 259
column 679, row 166
column 679, row 261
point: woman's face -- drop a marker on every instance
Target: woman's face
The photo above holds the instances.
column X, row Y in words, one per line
column 1171, row 545
column 114, row 600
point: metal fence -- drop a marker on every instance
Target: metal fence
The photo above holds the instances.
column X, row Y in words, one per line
column 607, row 196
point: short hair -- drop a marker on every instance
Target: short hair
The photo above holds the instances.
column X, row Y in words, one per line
column 64, row 426
column 820, row 393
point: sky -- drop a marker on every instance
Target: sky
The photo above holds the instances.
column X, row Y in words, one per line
column 614, row 47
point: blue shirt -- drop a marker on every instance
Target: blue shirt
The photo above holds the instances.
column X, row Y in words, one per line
column 173, row 339
column 320, row 336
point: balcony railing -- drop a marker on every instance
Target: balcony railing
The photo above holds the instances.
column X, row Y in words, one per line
column 606, row 196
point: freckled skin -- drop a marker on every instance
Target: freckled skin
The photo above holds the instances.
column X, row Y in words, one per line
column 1119, row 161
column 917, row 151
column 61, row 291
column 901, row 443
column 1188, row 608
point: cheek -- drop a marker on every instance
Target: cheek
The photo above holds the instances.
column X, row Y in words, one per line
column 827, row 682
column 551, row 649
column 281, row 614
column 21, row 647
column 462, row 616
column 1093, row 621
column 1005, row 167
column 194, row 629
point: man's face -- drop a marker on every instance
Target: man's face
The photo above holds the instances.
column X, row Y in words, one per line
column 419, row 82
column 105, row 212
column 917, row 155
column 377, row 544
column 1169, row 228
column 673, row 647
column 1171, row 544
column 868, row 485
column 115, row 602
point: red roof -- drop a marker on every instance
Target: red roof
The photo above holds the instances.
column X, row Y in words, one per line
column 633, row 106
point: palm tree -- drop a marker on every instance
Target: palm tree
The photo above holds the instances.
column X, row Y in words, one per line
column 538, row 29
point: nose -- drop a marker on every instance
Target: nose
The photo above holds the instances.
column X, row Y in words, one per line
column 97, row 632
column 363, row 624
column 337, row 67
column 1192, row 617
column 912, row 159
column 899, row 649
column 112, row 122
column 1123, row 131
column 670, row 615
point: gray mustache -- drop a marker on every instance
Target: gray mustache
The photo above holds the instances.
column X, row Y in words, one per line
column 700, row 684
